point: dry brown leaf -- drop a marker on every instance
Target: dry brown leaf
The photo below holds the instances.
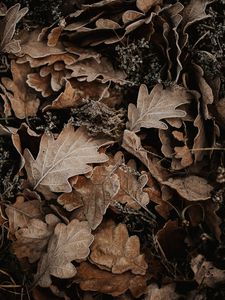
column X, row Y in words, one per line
column 95, row 194
column 8, row 26
column 91, row 278
column 131, row 188
column 39, row 84
column 32, row 239
column 163, row 293
column 145, row 5
column 132, row 143
column 23, row 101
column 62, row 158
column 193, row 12
column 69, row 242
column 115, row 251
column 91, row 70
column 21, row 212
column 192, row 187
column 206, row 273
column 159, row 104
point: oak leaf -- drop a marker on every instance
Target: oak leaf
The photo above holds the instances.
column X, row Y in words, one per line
column 69, row 242
column 115, row 251
column 23, row 100
column 95, row 194
column 92, row 278
column 131, row 188
column 192, row 187
column 21, row 212
column 8, row 26
column 163, row 293
column 61, row 158
column 32, row 239
column 159, row 104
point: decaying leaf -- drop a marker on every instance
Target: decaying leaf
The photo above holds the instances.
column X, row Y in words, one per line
column 8, row 26
column 115, row 251
column 69, row 242
column 24, row 101
column 21, row 212
column 206, row 273
column 32, row 239
column 131, row 188
column 192, row 187
column 94, row 194
column 159, row 104
column 92, row 278
column 90, row 70
column 62, row 158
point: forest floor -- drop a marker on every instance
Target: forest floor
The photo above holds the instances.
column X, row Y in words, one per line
column 112, row 140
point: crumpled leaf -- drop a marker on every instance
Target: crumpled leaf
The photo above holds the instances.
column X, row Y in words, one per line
column 21, row 212
column 159, row 104
column 61, row 158
column 95, row 194
column 69, row 242
column 32, row 239
column 23, row 100
column 206, row 273
column 92, row 278
column 193, row 12
column 115, row 251
column 90, row 70
column 8, row 26
column 192, row 187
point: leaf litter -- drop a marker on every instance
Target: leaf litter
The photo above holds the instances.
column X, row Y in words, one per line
column 112, row 149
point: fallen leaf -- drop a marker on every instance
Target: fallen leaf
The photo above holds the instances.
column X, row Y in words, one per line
column 69, row 242
column 193, row 12
column 32, row 239
column 21, row 212
column 115, row 251
column 145, row 5
column 95, row 194
column 159, row 104
column 132, row 143
column 8, row 26
column 23, row 100
column 131, row 188
column 192, row 187
column 91, row 70
column 60, row 159
column 206, row 273
column 90, row 278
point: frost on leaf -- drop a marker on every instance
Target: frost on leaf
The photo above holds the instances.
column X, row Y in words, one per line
column 8, row 26
column 115, row 251
column 61, row 158
column 159, row 104
column 69, row 242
